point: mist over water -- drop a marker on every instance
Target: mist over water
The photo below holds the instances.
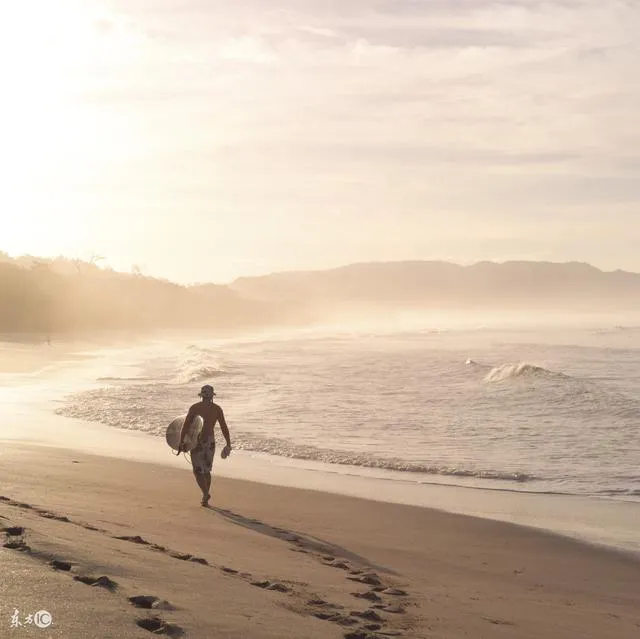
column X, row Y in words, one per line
column 551, row 410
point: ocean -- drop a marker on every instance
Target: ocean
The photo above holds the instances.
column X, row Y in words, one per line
column 536, row 410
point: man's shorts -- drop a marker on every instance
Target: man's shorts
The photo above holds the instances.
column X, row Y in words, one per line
column 202, row 455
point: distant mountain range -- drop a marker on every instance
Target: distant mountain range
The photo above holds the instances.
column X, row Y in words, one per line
column 571, row 285
column 69, row 296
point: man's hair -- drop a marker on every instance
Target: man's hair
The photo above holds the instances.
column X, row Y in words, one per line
column 207, row 392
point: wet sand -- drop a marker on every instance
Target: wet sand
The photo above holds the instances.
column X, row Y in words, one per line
column 24, row 358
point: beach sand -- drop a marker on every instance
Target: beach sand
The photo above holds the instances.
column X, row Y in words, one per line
column 28, row 354
column 25, row 358
column 279, row 562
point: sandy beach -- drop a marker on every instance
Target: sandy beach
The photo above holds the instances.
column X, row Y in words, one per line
column 109, row 546
column 24, row 358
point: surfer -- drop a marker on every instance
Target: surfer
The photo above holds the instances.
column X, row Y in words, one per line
column 202, row 454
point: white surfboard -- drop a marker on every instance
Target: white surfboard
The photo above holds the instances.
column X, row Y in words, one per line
column 191, row 438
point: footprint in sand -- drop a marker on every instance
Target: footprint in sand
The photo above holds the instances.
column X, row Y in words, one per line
column 48, row 515
column 261, row 584
column 16, row 545
column 376, row 634
column 336, row 563
column 135, row 539
column 360, row 634
column 322, row 603
column 160, row 627
column 325, row 616
column 369, row 615
column 499, row 622
column 394, row 609
column 279, row 587
column 150, row 602
column 15, row 539
column 371, row 579
column 100, row 582
column 183, row 556
column 60, row 565
column 369, row 596
column 335, row 617
column 267, row 585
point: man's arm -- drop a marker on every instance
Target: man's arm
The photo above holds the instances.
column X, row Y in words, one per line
column 223, row 427
column 185, row 427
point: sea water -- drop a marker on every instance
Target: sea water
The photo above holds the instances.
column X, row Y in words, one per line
column 539, row 411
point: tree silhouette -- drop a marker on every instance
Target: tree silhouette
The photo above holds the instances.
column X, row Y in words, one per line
column 68, row 296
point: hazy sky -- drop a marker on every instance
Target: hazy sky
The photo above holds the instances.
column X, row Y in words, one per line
column 203, row 139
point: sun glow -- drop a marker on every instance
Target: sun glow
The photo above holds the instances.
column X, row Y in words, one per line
column 53, row 56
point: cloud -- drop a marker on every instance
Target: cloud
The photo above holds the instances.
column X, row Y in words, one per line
column 247, row 49
column 401, row 110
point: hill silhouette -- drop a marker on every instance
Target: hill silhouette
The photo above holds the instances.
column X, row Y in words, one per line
column 57, row 296
column 517, row 284
column 70, row 296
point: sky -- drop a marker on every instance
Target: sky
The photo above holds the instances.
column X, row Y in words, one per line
column 202, row 140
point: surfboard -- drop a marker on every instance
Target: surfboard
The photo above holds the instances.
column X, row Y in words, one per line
column 191, row 438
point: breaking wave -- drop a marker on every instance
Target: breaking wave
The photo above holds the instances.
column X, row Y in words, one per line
column 311, row 453
column 620, row 492
column 522, row 369
column 198, row 374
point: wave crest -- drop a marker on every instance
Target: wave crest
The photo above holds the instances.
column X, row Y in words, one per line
column 199, row 374
column 198, row 365
column 310, row 453
column 522, row 369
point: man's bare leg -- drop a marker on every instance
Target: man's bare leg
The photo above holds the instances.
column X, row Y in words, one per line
column 204, row 485
column 208, row 484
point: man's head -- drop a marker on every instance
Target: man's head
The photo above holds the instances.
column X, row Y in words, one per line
column 207, row 393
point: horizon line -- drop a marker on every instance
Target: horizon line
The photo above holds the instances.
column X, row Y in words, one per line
column 463, row 265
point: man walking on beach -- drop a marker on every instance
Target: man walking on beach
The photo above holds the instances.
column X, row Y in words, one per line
column 202, row 454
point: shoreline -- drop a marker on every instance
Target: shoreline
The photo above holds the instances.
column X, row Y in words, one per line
column 596, row 522
column 28, row 418
column 23, row 358
column 275, row 561
column 382, row 497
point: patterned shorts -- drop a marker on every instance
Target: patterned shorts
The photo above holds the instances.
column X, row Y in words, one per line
column 202, row 455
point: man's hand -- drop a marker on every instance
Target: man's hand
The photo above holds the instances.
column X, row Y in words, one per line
column 226, row 451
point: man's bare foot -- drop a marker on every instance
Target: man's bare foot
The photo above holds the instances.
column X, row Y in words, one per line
column 205, row 500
